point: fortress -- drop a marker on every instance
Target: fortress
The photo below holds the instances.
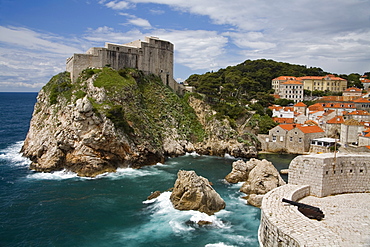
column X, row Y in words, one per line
column 152, row 56
column 339, row 186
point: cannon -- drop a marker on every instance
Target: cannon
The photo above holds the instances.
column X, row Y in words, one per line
column 309, row 211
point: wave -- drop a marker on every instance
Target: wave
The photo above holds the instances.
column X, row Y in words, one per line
column 220, row 244
column 161, row 209
column 229, row 157
column 119, row 174
column 13, row 156
column 130, row 173
column 57, row 175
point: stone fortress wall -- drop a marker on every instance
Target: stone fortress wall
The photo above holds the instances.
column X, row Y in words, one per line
column 329, row 175
column 318, row 175
column 152, row 56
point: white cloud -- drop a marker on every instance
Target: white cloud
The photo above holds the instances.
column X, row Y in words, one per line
column 28, row 59
column 117, row 5
column 29, row 39
column 136, row 21
column 140, row 22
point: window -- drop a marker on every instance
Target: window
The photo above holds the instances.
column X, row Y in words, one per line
column 291, row 139
column 281, row 138
column 300, row 139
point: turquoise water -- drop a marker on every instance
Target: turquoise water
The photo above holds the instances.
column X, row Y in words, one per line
column 61, row 209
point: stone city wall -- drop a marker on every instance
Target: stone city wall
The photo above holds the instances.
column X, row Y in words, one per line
column 346, row 173
column 283, row 225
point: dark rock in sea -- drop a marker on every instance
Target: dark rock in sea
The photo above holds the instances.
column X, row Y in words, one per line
column 193, row 192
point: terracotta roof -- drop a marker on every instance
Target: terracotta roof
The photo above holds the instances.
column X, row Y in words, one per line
column 300, row 104
column 361, row 100
column 367, row 130
column 278, row 108
column 282, row 120
column 310, row 129
column 316, row 107
column 353, row 89
column 288, row 126
column 367, row 135
column 276, row 96
column 332, row 77
column 284, row 78
column 292, row 82
column 336, row 120
column 358, row 112
column 338, row 98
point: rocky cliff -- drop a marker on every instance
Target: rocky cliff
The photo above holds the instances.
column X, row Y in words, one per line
column 110, row 119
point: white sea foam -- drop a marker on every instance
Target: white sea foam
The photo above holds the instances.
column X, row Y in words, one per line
column 57, row 175
column 161, row 208
column 195, row 154
column 13, row 155
column 129, row 172
column 229, row 157
column 220, row 244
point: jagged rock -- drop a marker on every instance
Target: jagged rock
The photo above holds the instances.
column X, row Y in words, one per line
column 262, row 178
column 193, row 192
column 255, row 200
column 155, row 194
column 240, row 171
column 204, row 223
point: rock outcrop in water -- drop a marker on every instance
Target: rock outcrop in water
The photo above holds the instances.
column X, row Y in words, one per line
column 259, row 177
column 110, row 119
column 193, row 192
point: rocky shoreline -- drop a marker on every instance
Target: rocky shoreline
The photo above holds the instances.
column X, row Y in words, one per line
column 90, row 127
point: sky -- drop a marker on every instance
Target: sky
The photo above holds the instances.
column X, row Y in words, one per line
column 36, row 37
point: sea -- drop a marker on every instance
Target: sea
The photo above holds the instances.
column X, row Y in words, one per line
column 62, row 209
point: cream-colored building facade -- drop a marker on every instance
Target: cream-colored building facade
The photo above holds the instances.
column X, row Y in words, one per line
column 323, row 83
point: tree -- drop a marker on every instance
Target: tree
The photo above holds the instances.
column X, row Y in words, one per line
column 283, row 102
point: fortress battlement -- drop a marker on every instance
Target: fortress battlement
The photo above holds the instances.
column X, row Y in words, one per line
column 152, row 56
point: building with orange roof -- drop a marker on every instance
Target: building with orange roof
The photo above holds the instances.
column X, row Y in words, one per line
column 358, row 115
column 291, row 138
column 275, row 83
column 352, row 92
column 300, row 107
column 282, row 111
column 333, row 126
column 323, row 83
column 365, row 82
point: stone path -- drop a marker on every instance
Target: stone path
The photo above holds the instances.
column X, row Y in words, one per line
column 346, row 222
column 346, row 215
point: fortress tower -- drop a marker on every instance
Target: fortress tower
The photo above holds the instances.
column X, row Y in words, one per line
column 152, row 56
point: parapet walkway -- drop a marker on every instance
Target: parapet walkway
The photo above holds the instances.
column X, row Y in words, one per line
column 346, row 222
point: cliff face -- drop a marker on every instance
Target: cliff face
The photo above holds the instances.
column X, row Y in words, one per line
column 110, row 119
